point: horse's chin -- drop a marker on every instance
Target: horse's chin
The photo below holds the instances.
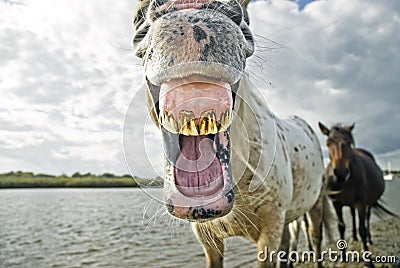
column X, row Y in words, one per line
column 195, row 116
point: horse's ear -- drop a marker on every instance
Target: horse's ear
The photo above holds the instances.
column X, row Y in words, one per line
column 351, row 127
column 324, row 129
column 244, row 4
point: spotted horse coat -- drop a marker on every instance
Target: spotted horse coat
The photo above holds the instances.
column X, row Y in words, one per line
column 232, row 167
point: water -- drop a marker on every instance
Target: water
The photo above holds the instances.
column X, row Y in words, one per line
column 100, row 228
column 110, row 228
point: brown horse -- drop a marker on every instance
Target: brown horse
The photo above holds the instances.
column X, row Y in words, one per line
column 354, row 179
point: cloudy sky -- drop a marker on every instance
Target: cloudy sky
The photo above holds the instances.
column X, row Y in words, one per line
column 68, row 75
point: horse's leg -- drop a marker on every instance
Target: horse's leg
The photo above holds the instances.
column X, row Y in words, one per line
column 362, row 211
column 294, row 230
column 341, row 226
column 305, row 226
column 369, row 240
column 315, row 229
column 270, row 236
column 339, row 214
column 213, row 246
column 284, row 247
column 353, row 216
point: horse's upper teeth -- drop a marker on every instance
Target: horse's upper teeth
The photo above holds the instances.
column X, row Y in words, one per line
column 208, row 123
column 188, row 125
column 168, row 121
column 225, row 120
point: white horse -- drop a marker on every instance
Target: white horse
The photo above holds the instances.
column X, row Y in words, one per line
column 231, row 166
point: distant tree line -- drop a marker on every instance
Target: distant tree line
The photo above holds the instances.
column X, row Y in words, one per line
column 21, row 179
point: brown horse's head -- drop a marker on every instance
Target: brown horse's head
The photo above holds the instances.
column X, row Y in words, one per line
column 339, row 143
column 194, row 53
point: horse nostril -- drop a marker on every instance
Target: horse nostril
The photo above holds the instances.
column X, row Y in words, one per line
column 341, row 174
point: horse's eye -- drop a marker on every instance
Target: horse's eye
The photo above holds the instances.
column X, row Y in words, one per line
column 344, row 146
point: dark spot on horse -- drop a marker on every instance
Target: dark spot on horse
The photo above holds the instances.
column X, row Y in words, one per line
column 170, row 206
column 181, row 30
column 207, row 49
column 313, row 164
column 159, row 3
column 171, row 61
column 202, row 213
column 223, row 152
column 283, row 137
column 279, row 205
column 198, row 33
column 230, row 195
column 296, row 149
column 306, row 157
column 175, row 32
column 308, row 187
column 192, row 19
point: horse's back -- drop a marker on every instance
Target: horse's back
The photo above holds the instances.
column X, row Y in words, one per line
column 375, row 185
column 302, row 149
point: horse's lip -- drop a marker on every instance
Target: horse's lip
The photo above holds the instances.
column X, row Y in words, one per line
column 209, row 70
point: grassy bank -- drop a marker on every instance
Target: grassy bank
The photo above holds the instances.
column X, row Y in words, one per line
column 29, row 180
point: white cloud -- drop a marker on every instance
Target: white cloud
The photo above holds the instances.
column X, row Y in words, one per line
column 64, row 66
column 68, row 74
column 335, row 61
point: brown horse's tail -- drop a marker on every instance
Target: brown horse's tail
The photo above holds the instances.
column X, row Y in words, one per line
column 381, row 211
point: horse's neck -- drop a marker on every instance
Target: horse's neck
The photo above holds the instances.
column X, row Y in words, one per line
column 253, row 133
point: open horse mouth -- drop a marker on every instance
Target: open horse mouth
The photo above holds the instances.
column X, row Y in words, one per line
column 194, row 54
column 195, row 115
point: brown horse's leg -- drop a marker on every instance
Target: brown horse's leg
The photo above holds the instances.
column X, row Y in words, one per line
column 353, row 216
column 369, row 240
column 362, row 211
column 341, row 226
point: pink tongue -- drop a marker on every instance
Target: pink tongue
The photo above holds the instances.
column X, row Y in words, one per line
column 198, row 171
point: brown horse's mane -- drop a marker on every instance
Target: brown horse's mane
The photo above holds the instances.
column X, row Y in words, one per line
column 365, row 152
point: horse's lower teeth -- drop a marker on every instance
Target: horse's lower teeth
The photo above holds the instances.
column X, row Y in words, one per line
column 188, row 125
